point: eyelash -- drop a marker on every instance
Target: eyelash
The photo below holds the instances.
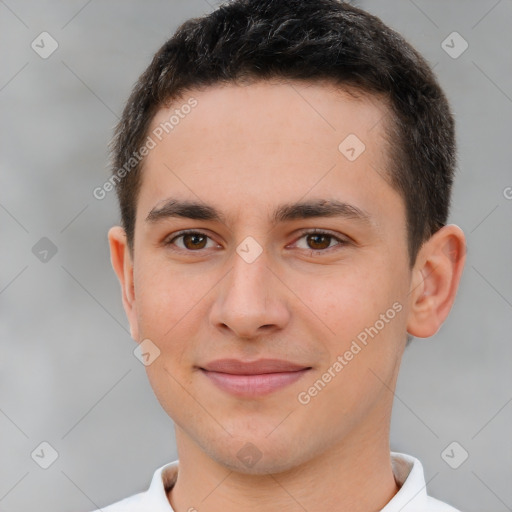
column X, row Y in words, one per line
column 341, row 241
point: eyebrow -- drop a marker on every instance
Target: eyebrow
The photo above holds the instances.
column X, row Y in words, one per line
column 283, row 213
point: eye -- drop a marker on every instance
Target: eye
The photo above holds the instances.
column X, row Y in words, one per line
column 191, row 241
column 320, row 241
column 316, row 241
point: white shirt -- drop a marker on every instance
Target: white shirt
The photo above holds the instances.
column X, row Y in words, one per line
column 408, row 471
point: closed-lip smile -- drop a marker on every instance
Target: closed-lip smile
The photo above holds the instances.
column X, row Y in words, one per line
column 253, row 378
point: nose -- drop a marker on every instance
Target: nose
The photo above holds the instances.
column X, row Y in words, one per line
column 251, row 300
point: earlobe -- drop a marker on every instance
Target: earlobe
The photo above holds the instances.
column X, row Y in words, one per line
column 122, row 264
column 435, row 281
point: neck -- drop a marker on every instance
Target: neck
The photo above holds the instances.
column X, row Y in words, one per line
column 355, row 475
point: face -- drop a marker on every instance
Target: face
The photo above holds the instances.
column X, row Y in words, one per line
column 295, row 251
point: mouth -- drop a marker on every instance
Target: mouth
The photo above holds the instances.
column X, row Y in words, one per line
column 253, row 378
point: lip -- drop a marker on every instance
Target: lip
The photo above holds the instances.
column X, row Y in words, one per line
column 258, row 367
column 253, row 378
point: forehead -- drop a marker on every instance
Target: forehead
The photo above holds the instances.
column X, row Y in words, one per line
column 256, row 143
column 267, row 107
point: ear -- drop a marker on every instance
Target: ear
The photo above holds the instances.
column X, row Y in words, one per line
column 122, row 263
column 436, row 275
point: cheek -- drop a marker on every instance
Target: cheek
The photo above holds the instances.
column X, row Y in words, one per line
column 359, row 313
column 165, row 297
column 341, row 303
column 171, row 308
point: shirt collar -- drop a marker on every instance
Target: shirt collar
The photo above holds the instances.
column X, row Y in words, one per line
column 412, row 496
column 164, row 479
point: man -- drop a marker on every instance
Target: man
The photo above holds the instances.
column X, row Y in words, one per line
column 284, row 171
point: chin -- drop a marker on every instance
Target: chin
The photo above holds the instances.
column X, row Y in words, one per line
column 267, row 464
column 261, row 455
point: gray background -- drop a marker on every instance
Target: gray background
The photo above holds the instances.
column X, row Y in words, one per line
column 67, row 372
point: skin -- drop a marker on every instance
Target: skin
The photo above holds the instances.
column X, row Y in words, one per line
column 245, row 150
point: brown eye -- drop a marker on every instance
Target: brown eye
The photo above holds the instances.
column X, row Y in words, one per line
column 319, row 241
column 189, row 241
column 194, row 241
